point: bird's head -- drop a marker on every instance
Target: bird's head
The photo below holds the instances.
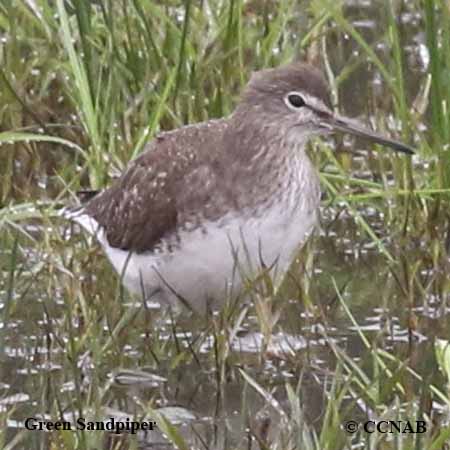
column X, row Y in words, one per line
column 295, row 99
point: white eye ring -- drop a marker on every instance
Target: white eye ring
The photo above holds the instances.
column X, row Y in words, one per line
column 294, row 100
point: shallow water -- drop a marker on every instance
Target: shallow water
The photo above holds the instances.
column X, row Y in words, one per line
column 301, row 345
column 216, row 405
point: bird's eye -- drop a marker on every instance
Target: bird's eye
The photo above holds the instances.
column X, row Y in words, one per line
column 295, row 100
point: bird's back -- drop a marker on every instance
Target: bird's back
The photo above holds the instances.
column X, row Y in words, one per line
column 165, row 190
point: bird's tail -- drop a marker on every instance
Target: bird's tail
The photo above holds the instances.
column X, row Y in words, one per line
column 78, row 214
column 86, row 194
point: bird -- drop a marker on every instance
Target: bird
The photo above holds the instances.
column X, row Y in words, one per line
column 208, row 205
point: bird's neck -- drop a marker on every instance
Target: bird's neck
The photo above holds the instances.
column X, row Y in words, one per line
column 257, row 144
column 261, row 158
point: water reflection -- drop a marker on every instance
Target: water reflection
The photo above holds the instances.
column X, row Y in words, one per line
column 233, row 411
column 217, row 406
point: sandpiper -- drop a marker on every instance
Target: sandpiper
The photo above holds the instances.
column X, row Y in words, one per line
column 208, row 204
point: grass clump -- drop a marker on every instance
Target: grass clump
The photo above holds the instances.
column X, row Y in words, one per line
column 83, row 87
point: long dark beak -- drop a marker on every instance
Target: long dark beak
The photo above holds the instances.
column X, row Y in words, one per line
column 336, row 123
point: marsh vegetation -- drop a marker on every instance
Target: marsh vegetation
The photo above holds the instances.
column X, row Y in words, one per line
column 361, row 326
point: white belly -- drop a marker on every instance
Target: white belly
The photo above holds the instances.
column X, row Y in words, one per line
column 208, row 265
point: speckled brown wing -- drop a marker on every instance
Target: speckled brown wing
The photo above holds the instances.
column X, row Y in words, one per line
column 161, row 191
